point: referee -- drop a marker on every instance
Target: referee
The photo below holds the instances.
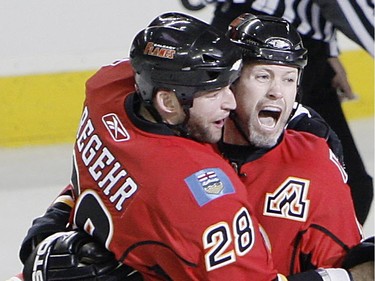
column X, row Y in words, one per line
column 324, row 76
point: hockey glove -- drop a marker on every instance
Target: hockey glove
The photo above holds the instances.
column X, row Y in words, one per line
column 361, row 253
column 74, row 255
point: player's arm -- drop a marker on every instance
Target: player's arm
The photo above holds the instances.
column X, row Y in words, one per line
column 352, row 18
column 308, row 120
column 330, row 233
column 360, row 260
column 74, row 255
column 95, row 261
column 56, row 218
column 60, row 254
column 358, row 265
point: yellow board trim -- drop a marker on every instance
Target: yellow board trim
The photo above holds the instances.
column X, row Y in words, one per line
column 41, row 109
column 45, row 109
column 359, row 66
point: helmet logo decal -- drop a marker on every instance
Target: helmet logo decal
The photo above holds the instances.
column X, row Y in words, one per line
column 278, row 43
column 161, row 51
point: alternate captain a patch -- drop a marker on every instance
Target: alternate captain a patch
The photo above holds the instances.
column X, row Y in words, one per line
column 209, row 184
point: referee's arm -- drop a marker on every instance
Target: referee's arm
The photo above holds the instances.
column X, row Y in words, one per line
column 354, row 19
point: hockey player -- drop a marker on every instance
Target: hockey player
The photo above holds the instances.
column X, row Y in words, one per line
column 74, row 245
column 294, row 181
column 146, row 186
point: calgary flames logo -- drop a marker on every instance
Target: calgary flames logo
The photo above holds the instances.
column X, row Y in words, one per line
column 161, row 51
column 289, row 200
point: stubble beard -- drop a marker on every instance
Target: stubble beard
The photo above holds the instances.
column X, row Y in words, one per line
column 260, row 139
column 202, row 133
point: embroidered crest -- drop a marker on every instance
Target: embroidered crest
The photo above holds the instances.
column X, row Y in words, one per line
column 209, row 184
column 289, row 200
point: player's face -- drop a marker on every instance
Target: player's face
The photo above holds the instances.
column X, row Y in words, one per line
column 208, row 114
column 265, row 95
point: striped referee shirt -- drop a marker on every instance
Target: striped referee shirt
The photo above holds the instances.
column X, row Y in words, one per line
column 319, row 19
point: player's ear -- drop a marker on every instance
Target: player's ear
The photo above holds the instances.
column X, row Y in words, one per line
column 167, row 101
column 169, row 107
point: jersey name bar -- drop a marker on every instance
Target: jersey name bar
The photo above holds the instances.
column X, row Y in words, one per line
column 108, row 173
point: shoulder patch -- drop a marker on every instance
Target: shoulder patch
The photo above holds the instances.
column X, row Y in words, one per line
column 209, row 184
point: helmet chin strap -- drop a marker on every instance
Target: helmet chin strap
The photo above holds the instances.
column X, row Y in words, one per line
column 180, row 129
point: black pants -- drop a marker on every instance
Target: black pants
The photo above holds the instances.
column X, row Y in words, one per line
column 318, row 93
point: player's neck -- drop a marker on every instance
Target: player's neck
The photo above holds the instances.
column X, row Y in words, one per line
column 145, row 114
column 231, row 134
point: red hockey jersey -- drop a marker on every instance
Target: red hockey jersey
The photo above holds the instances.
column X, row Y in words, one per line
column 300, row 197
column 165, row 205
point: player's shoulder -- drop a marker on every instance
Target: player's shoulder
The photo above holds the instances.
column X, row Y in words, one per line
column 192, row 161
column 119, row 72
column 314, row 152
column 304, row 147
column 305, row 141
column 194, row 154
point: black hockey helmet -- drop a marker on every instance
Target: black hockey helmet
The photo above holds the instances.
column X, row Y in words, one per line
column 269, row 39
column 181, row 53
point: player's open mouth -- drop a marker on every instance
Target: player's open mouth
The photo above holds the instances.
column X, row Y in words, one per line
column 269, row 117
column 220, row 122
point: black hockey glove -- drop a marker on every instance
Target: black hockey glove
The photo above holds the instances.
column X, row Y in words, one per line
column 56, row 219
column 361, row 253
column 308, row 120
column 74, row 255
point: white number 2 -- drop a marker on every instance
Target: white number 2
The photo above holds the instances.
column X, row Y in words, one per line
column 218, row 238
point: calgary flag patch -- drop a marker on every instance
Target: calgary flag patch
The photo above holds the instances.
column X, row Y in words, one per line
column 209, row 184
column 115, row 127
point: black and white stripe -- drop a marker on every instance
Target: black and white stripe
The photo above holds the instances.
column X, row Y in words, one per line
column 318, row 19
column 361, row 15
